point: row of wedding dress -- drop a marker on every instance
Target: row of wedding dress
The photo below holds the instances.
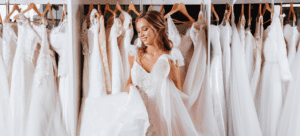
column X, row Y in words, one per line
column 30, row 101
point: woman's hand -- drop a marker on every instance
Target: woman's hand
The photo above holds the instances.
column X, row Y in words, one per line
column 128, row 87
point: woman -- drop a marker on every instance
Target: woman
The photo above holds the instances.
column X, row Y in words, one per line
column 156, row 76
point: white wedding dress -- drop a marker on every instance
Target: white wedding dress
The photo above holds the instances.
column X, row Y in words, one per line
column 125, row 41
column 225, row 39
column 9, row 46
column 242, row 116
column 45, row 113
column 4, row 100
column 289, row 122
column 291, row 36
column 275, row 70
column 29, row 36
column 115, row 59
column 196, row 95
column 216, row 78
column 249, row 56
column 59, row 42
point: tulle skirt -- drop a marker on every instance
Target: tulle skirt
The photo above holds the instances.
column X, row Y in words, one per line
column 45, row 114
column 270, row 101
column 120, row 114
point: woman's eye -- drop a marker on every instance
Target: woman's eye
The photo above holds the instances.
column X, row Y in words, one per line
column 145, row 29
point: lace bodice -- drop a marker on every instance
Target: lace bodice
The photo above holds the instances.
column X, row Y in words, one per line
column 59, row 42
column 291, row 35
column 9, row 45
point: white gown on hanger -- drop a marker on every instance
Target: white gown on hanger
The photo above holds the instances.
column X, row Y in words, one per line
column 249, row 56
column 196, row 97
column 291, row 36
column 29, row 35
column 241, row 31
column 127, row 35
column 225, row 39
column 216, row 78
column 60, row 43
column 257, row 57
column 45, row 113
column 4, row 101
column 275, row 70
column 289, row 122
column 115, row 59
column 242, row 116
column 9, row 46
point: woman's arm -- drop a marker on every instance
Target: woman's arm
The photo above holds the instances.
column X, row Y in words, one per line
column 129, row 81
column 175, row 74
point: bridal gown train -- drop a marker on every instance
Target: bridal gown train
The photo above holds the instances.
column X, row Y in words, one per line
column 242, row 116
column 9, row 46
column 275, row 70
column 289, row 122
column 45, row 113
column 216, row 78
column 29, row 36
column 60, row 43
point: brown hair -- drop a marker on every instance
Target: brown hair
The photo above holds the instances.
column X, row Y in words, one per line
column 156, row 21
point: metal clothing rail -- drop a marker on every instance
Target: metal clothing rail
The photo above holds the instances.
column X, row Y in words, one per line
column 253, row 1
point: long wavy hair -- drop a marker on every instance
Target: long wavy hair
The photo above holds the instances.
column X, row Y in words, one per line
column 156, row 21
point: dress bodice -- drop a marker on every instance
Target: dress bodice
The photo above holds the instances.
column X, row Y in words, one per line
column 59, row 42
column 143, row 81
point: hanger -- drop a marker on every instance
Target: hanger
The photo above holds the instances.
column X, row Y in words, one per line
column 99, row 9
column 48, row 8
column 181, row 7
column 229, row 9
column 292, row 11
column 259, row 12
column 107, row 8
column 131, row 7
column 215, row 13
column 242, row 14
column 15, row 7
column 87, row 19
column 267, row 7
column 151, row 6
column 30, row 7
column 161, row 9
column 64, row 13
column 249, row 16
column 118, row 8
column 201, row 13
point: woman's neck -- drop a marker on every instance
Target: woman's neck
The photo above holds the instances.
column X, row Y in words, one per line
column 152, row 49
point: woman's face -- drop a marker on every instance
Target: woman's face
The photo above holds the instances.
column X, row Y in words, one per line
column 145, row 32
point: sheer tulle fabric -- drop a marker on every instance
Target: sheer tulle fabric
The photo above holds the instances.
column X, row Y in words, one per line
column 45, row 116
column 225, row 39
column 249, row 47
column 275, row 70
column 22, row 74
column 291, row 35
column 289, row 122
column 172, row 117
column 118, row 79
column 216, row 78
column 59, row 42
column 242, row 116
